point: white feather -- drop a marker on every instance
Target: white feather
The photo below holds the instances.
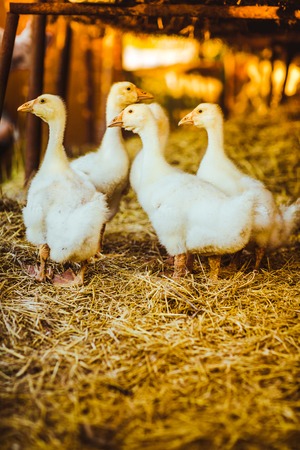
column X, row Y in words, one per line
column 63, row 208
column 108, row 167
column 272, row 226
column 188, row 215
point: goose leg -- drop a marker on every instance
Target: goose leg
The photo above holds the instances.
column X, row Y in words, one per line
column 39, row 272
column 44, row 252
column 190, row 262
column 235, row 260
column 180, row 268
column 69, row 278
column 81, row 273
column 169, row 261
column 259, row 253
column 214, row 264
column 98, row 254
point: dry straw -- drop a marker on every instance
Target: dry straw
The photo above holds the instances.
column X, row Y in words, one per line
column 135, row 360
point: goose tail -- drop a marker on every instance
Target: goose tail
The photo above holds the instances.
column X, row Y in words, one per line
column 287, row 223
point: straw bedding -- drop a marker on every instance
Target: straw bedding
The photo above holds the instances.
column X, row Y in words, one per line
column 135, row 360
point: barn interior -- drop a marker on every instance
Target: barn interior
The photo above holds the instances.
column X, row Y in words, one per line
column 134, row 359
column 242, row 56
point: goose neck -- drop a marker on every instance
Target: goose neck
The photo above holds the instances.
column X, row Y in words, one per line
column 112, row 138
column 154, row 163
column 215, row 139
column 55, row 150
column 112, row 110
column 150, row 139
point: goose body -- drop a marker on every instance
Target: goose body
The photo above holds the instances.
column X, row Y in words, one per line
column 108, row 167
column 63, row 211
column 188, row 215
column 272, row 226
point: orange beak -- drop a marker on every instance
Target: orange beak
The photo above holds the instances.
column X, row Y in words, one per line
column 27, row 107
column 116, row 121
column 187, row 120
column 143, row 95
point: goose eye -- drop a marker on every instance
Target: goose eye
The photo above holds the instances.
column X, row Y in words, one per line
column 200, row 111
column 129, row 88
column 42, row 100
column 130, row 111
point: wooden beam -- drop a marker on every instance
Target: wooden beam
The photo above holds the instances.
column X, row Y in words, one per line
column 256, row 12
column 64, row 64
column 36, row 83
column 6, row 51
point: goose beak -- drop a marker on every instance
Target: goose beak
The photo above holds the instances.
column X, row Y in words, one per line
column 187, row 120
column 27, row 107
column 143, row 95
column 116, row 121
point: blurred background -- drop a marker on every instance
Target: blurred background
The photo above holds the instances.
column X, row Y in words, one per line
column 242, row 73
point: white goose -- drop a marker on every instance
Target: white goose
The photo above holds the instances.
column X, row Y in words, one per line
column 64, row 213
column 163, row 125
column 108, row 167
column 272, row 226
column 188, row 215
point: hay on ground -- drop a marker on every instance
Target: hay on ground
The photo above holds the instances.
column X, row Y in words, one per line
column 135, row 360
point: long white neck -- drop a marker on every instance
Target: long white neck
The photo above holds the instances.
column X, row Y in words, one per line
column 154, row 165
column 216, row 167
column 215, row 146
column 112, row 139
column 55, row 155
column 113, row 107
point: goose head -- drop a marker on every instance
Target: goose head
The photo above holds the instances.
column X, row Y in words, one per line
column 47, row 106
column 133, row 118
column 205, row 115
column 125, row 93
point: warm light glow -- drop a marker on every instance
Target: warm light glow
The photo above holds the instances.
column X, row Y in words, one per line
column 293, row 80
column 279, row 72
column 157, row 52
column 212, row 48
column 207, row 88
column 278, row 76
column 258, row 76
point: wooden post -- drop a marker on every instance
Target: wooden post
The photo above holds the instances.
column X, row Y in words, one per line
column 36, row 84
column 6, row 53
column 90, row 91
column 117, row 58
column 106, row 79
column 64, row 66
column 229, row 76
column 100, row 108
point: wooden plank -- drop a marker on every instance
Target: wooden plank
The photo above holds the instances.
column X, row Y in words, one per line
column 36, row 83
column 8, row 42
column 256, row 12
column 64, row 64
